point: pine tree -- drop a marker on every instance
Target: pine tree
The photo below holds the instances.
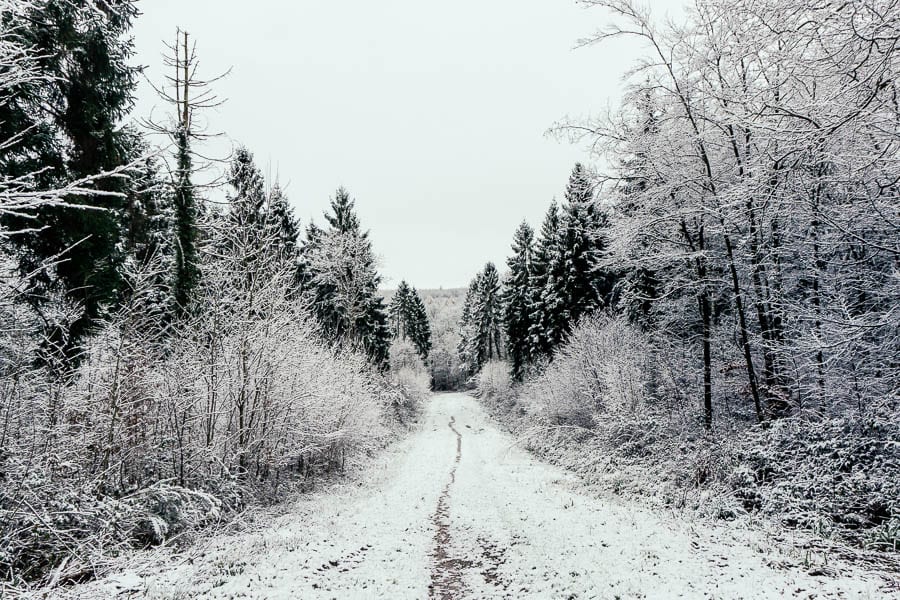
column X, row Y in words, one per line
column 517, row 296
column 586, row 287
column 280, row 217
column 248, row 199
column 421, row 328
column 340, row 279
column 481, row 324
column 409, row 319
column 186, row 275
column 638, row 287
column 399, row 311
column 71, row 130
column 540, row 317
column 467, row 349
column 575, row 284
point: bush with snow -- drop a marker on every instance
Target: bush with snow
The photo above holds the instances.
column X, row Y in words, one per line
column 607, row 406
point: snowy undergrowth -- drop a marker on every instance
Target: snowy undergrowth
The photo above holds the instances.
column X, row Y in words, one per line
column 154, row 440
column 607, row 409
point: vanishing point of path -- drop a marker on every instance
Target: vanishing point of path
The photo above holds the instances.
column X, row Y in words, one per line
column 458, row 511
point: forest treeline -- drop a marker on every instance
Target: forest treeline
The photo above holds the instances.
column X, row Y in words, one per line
column 720, row 307
column 165, row 359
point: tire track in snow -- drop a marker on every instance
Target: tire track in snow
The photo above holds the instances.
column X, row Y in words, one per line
column 446, row 572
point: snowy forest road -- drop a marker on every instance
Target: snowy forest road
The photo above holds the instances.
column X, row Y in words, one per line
column 460, row 512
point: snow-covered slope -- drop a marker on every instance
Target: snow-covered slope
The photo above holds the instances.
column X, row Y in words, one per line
column 460, row 512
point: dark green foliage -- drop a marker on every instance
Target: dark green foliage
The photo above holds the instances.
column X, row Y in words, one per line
column 71, row 131
column 482, row 321
column 574, row 284
column 262, row 222
column 409, row 319
column 544, row 252
column 187, row 272
column 517, row 302
column 338, row 276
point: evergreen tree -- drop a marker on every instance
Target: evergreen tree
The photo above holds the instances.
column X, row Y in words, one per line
column 482, row 321
column 340, row 279
column 186, row 271
column 638, row 287
column 420, row 326
column 247, row 202
column 575, row 284
column 409, row 319
column 540, row 317
column 399, row 310
column 517, row 301
column 466, row 349
column 280, row 217
column 71, row 130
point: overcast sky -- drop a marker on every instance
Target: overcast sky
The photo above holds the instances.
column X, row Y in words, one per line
column 432, row 114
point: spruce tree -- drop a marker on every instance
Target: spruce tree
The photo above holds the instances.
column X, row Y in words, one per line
column 281, row 219
column 575, row 284
column 71, row 130
column 467, row 348
column 409, row 319
column 399, row 311
column 248, row 197
column 481, row 325
column 488, row 313
column 340, row 279
column 545, row 252
column 186, row 271
column 517, row 296
column 420, row 326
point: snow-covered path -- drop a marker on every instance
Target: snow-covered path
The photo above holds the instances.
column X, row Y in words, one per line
column 460, row 512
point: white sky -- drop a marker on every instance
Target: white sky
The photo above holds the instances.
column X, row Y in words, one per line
column 431, row 114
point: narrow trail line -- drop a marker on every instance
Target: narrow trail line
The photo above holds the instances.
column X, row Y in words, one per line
column 488, row 523
column 446, row 575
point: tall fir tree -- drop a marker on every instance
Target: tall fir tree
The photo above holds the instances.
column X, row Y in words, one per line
column 482, row 321
column 409, row 318
column 466, row 349
column 638, row 286
column 340, row 279
column 517, row 295
column 186, row 274
column 576, row 285
column 71, row 130
column 398, row 311
column 541, row 319
column 421, row 327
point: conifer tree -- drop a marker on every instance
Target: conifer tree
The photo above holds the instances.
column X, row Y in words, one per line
column 340, row 279
column 409, row 318
column 248, row 198
column 421, row 335
column 545, row 247
column 280, row 217
column 517, row 296
column 398, row 311
column 466, row 349
column 187, row 271
column 69, row 129
column 545, row 252
column 482, row 321
column 575, row 284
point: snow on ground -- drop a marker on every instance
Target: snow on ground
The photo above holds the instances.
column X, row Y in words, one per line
column 458, row 511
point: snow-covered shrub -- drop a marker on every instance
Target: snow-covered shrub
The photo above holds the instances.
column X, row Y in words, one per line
column 808, row 470
column 605, row 370
column 168, row 510
column 493, row 381
column 410, row 376
column 156, row 433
